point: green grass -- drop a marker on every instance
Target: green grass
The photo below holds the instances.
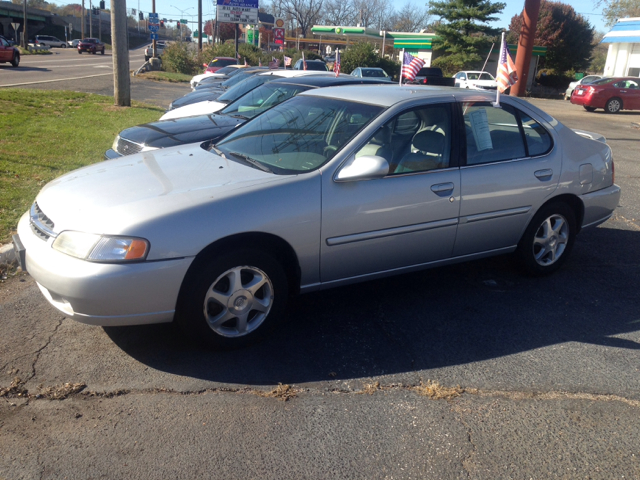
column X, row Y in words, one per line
column 166, row 77
column 44, row 134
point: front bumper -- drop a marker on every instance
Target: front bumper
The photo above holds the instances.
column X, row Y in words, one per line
column 111, row 154
column 600, row 205
column 99, row 293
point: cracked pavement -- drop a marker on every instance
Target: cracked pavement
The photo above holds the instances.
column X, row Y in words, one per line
column 529, row 378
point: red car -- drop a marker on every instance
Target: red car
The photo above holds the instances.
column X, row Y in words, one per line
column 219, row 62
column 8, row 53
column 91, row 45
column 611, row 93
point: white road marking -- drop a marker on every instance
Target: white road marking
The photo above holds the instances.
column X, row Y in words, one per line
column 56, row 80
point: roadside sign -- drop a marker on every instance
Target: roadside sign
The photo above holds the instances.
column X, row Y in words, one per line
column 238, row 11
column 15, row 26
column 153, row 36
column 183, row 20
column 71, row 27
column 278, row 35
column 153, row 28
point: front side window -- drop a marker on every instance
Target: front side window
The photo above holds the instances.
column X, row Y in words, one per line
column 415, row 141
column 299, row 135
column 499, row 134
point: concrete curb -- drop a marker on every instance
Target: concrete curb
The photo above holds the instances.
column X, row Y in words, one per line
column 7, row 254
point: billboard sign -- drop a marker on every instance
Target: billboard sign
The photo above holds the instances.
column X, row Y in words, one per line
column 238, row 11
column 278, row 31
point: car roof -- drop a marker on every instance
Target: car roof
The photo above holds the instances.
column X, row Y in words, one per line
column 329, row 80
column 296, row 73
column 386, row 95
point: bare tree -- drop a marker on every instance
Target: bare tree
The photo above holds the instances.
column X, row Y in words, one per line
column 305, row 12
column 411, row 18
column 339, row 12
column 383, row 11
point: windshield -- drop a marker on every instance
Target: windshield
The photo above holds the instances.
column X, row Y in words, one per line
column 234, row 78
column 245, row 86
column 262, row 98
column 300, row 134
column 225, row 70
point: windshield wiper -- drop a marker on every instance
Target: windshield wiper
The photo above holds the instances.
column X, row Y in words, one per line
column 219, row 152
column 237, row 115
column 253, row 162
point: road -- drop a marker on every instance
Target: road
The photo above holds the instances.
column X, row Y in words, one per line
column 532, row 378
column 65, row 69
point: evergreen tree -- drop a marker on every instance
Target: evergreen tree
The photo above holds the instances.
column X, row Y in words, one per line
column 463, row 34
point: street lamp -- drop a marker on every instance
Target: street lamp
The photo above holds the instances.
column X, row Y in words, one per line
column 182, row 16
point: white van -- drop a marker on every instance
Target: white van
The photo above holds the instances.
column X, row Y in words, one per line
column 50, row 41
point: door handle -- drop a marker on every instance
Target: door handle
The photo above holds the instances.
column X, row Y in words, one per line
column 623, row 91
column 442, row 187
column 545, row 174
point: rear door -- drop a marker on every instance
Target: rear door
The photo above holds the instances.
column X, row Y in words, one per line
column 511, row 168
column 6, row 52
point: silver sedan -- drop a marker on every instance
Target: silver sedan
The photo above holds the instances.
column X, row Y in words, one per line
column 335, row 186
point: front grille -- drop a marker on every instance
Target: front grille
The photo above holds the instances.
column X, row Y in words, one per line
column 126, row 147
column 41, row 225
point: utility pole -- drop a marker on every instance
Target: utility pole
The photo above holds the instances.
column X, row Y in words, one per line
column 525, row 46
column 90, row 19
column 81, row 23
column 121, row 80
column 200, row 25
column 25, row 35
column 153, row 42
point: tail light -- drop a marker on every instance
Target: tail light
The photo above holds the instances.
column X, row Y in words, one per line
column 424, row 81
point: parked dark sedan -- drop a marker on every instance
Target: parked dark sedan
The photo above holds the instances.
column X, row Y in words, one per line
column 210, row 128
column 91, row 45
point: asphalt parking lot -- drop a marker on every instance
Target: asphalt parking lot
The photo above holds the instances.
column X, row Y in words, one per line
column 470, row 371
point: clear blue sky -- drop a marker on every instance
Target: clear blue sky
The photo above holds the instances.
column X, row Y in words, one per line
column 175, row 9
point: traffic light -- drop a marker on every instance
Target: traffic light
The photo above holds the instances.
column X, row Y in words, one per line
column 161, row 23
column 101, row 4
column 178, row 24
column 141, row 16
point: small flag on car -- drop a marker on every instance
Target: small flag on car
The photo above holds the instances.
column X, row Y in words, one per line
column 336, row 64
column 274, row 63
column 304, row 63
column 410, row 66
column 287, row 61
column 506, row 74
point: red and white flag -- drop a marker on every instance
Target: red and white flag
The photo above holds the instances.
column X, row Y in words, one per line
column 410, row 67
column 506, row 74
column 336, row 64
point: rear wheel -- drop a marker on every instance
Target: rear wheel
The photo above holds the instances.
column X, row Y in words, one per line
column 64, row 45
column 233, row 300
column 79, row 52
column 102, row 52
column 614, row 105
column 548, row 240
column 15, row 61
column 590, row 109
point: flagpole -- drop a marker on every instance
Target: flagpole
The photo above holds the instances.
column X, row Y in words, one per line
column 497, row 103
column 401, row 65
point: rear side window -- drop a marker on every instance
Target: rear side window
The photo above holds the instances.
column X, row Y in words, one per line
column 499, row 134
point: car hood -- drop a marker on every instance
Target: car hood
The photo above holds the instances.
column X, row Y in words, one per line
column 200, row 108
column 169, row 133
column 122, row 195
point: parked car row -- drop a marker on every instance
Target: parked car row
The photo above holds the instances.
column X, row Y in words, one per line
column 299, row 181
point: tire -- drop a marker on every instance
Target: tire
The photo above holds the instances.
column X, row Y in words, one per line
column 63, row 45
column 215, row 310
column 15, row 61
column 548, row 240
column 102, row 52
column 79, row 52
column 590, row 109
column 613, row 105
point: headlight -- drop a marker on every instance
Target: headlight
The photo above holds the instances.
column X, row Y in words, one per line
column 115, row 143
column 101, row 248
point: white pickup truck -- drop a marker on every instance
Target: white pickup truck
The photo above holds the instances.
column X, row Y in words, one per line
column 148, row 52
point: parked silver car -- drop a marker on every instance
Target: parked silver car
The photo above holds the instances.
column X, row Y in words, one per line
column 50, row 41
column 334, row 186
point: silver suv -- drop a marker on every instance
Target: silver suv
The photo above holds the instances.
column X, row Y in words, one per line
column 50, row 41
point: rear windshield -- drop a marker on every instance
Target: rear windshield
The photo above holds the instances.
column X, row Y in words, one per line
column 430, row 72
column 316, row 66
column 221, row 62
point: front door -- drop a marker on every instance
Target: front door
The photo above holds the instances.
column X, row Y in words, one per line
column 406, row 218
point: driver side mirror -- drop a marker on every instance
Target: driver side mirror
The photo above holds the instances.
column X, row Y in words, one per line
column 367, row 167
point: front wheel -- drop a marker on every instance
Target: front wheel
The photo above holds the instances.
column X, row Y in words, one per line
column 548, row 239
column 614, row 105
column 102, row 52
column 233, row 300
column 64, row 45
column 15, row 61
column 590, row 109
column 79, row 52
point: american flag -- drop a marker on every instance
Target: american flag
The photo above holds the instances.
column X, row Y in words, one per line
column 506, row 75
column 304, row 62
column 274, row 63
column 336, row 64
column 287, row 61
column 410, row 66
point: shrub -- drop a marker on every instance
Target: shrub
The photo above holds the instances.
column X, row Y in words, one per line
column 177, row 58
column 549, row 78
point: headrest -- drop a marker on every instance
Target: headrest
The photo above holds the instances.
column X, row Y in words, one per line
column 428, row 141
column 382, row 136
